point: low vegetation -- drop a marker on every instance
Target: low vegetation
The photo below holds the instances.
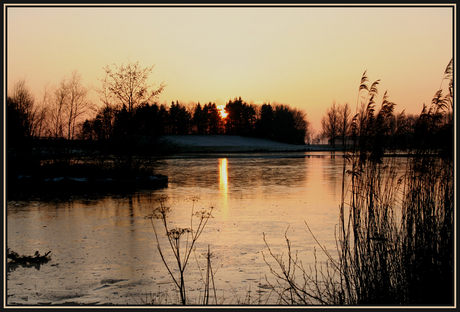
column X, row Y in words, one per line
column 395, row 239
column 181, row 242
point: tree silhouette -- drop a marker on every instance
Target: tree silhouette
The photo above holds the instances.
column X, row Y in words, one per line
column 68, row 106
column 213, row 118
column 179, row 119
column 330, row 123
column 20, row 104
column 344, row 113
column 301, row 125
column 264, row 124
column 26, row 118
column 198, row 119
column 234, row 117
column 126, row 85
column 241, row 118
column 284, row 125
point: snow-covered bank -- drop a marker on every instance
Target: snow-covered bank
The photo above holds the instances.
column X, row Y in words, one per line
column 234, row 143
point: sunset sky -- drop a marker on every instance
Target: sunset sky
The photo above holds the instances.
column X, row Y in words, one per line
column 303, row 56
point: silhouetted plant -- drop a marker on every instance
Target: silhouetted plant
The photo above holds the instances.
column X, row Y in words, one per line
column 181, row 242
column 297, row 285
column 389, row 242
column 208, row 280
column 344, row 123
column 241, row 117
column 36, row 260
column 395, row 235
column 264, row 123
column 289, row 125
column 330, row 124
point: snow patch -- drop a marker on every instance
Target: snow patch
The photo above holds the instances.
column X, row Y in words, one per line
column 79, row 179
column 220, row 140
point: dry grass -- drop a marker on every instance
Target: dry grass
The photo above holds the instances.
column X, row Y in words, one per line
column 395, row 240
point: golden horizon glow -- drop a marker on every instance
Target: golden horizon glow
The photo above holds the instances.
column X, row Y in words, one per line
column 222, row 111
column 304, row 56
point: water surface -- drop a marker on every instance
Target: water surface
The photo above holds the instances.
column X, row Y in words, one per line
column 104, row 252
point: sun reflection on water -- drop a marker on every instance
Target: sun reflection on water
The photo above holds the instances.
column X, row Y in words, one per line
column 223, row 181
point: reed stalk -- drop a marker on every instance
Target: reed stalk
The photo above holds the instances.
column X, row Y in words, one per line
column 395, row 239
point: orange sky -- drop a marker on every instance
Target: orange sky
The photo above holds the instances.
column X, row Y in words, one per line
column 303, row 56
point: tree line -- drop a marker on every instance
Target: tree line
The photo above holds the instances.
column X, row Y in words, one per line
column 130, row 107
column 124, row 134
column 57, row 114
column 278, row 122
column 380, row 127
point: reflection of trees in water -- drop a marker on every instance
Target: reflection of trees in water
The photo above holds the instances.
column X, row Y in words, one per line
column 15, row 260
column 332, row 172
column 259, row 174
column 11, row 267
column 200, row 172
column 266, row 173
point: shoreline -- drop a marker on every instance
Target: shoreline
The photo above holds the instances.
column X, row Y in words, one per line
column 223, row 143
column 206, row 145
column 73, row 182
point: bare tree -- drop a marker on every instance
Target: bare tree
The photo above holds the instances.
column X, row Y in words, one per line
column 58, row 109
column 127, row 85
column 47, row 127
column 31, row 114
column 331, row 123
column 311, row 134
column 69, row 104
column 77, row 102
column 344, row 112
column 301, row 123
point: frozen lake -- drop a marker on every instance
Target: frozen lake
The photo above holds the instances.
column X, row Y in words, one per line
column 104, row 250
